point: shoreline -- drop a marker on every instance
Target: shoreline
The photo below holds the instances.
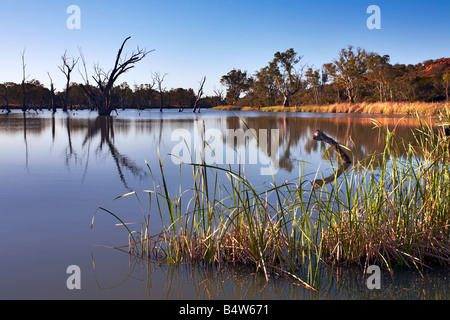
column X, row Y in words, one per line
column 375, row 108
column 387, row 108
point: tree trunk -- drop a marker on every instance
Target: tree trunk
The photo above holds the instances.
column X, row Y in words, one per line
column 24, row 97
column 161, row 102
column 105, row 109
column 104, row 112
column 52, row 100
column 351, row 96
column 199, row 94
column 446, row 91
column 286, row 100
column 66, row 98
column 316, row 95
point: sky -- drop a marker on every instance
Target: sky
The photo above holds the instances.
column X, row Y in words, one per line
column 196, row 38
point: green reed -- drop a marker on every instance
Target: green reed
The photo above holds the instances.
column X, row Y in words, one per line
column 396, row 209
column 392, row 209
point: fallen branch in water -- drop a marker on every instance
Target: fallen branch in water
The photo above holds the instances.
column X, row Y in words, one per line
column 320, row 136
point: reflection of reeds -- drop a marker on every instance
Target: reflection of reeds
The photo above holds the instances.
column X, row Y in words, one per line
column 390, row 210
column 391, row 108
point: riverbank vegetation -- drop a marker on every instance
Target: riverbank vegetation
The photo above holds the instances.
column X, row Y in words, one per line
column 390, row 210
column 355, row 78
column 388, row 108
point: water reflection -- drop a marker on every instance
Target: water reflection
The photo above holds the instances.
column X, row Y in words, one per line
column 190, row 281
column 98, row 137
column 103, row 126
column 296, row 133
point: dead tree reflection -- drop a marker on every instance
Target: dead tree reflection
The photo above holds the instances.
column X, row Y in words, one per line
column 103, row 126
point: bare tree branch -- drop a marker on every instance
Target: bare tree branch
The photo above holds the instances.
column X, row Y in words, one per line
column 156, row 77
column 67, row 68
column 101, row 95
column 24, row 79
column 52, row 94
column 199, row 94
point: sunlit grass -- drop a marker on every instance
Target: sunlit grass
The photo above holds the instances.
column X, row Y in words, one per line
column 388, row 108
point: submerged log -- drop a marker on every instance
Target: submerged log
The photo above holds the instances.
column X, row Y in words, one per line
column 320, row 136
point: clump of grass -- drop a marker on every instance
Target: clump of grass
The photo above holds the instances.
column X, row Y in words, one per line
column 390, row 210
column 395, row 210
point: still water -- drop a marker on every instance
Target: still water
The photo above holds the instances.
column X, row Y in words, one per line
column 57, row 170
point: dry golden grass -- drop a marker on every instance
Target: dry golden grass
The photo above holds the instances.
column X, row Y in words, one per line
column 390, row 108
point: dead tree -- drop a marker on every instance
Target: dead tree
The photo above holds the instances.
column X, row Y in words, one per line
column 52, row 94
column 156, row 76
column 24, row 79
column 199, row 94
column 100, row 94
column 67, row 68
column 219, row 95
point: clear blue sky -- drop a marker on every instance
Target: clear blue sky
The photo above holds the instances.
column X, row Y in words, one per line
column 193, row 38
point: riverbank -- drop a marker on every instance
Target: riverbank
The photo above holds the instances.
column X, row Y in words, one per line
column 391, row 108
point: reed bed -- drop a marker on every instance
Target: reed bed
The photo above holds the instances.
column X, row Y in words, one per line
column 388, row 210
column 395, row 211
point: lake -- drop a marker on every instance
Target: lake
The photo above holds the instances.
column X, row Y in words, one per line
column 56, row 170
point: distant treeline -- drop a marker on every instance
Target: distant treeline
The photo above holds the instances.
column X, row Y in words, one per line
column 354, row 76
column 123, row 96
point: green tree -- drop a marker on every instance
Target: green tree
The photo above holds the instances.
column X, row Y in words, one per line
column 236, row 82
column 288, row 78
column 350, row 68
column 313, row 80
column 265, row 84
column 380, row 73
column 404, row 82
column 331, row 74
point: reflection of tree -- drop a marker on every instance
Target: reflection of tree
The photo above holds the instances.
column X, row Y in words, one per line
column 295, row 130
column 70, row 152
column 25, row 138
column 355, row 132
column 103, row 126
column 286, row 159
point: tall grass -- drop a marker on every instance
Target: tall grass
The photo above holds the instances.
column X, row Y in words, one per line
column 395, row 210
column 389, row 108
column 389, row 210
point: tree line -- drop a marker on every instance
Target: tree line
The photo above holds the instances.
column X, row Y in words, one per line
column 100, row 91
column 356, row 75
column 124, row 96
